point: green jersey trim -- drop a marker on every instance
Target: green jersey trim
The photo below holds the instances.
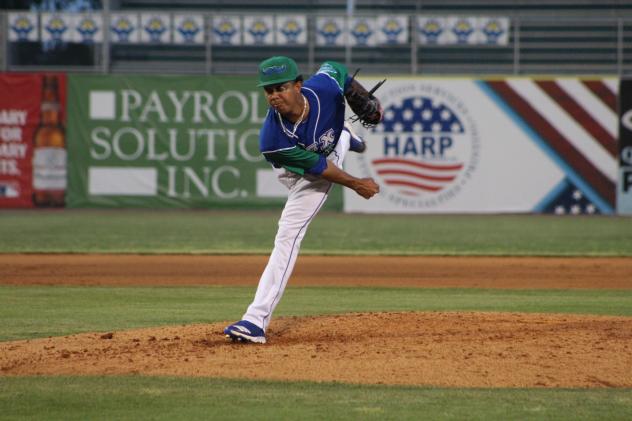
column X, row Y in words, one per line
column 294, row 159
column 336, row 71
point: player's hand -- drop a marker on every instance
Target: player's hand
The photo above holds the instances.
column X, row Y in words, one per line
column 366, row 187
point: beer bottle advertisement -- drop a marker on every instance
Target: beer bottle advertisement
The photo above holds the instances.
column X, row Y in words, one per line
column 49, row 145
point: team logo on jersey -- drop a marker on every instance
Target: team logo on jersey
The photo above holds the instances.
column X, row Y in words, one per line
column 225, row 30
column 426, row 149
column 87, row 28
column 291, row 30
column 155, row 27
column 22, row 27
column 123, row 28
column 392, row 29
column 188, row 28
column 325, row 141
column 492, row 30
column 432, row 30
column 463, row 29
column 361, row 31
column 56, row 28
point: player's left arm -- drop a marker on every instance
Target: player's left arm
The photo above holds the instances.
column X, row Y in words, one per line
column 363, row 103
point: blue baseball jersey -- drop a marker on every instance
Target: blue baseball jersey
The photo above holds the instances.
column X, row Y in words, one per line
column 305, row 150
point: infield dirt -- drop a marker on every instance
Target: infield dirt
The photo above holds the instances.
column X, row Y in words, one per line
column 462, row 349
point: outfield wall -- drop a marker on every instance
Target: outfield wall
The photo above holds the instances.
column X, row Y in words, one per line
column 462, row 145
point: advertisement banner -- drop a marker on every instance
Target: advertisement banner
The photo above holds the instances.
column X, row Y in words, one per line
column 32, row 140
column 624, row 190
column 168, row 141
column 506, row 145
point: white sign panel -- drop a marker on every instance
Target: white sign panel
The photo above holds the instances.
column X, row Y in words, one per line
column 23, row 27
column 56, row 27
column 363, row 32
column 258, row 30
column 155, row 28
column 431, row 30
column 188, row 29
column 392, row 29
column 331, row 31
column 493, row 30
column 446, row 146
column 124, row 28
column 462, row 30
column 226, row 30
column 87, row 28
column 291, row 29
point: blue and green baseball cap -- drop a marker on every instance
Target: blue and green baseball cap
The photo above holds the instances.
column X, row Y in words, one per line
column 277, row 69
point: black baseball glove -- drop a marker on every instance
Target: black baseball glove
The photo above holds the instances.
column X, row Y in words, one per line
column 363, row 103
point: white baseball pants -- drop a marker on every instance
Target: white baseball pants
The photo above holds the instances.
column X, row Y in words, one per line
column 306, row 196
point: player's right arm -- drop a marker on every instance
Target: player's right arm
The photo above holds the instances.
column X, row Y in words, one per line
column 365, row 187
column 301, row 161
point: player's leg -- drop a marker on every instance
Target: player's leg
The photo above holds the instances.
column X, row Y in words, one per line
column 305, row 199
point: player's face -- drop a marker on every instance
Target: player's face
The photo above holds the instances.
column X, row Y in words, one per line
column 285, row 97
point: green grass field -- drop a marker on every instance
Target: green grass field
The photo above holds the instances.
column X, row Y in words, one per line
column 39, row 311
column 331, row 233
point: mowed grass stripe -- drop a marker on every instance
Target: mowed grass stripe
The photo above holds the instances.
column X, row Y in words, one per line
column 203, row 231
column 41, row 311
column 168, row 398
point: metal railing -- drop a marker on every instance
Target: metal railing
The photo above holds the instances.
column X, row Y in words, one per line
column 537, row 45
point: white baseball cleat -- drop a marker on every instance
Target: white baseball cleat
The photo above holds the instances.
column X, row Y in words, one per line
column 245, row 331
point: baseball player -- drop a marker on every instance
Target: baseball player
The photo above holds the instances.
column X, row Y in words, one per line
column 305, row 138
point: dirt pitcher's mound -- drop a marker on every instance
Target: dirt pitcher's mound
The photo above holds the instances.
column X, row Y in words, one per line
column 441, row 349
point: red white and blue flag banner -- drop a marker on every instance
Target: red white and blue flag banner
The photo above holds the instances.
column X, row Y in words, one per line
column 624, row 191
column 485, row 146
